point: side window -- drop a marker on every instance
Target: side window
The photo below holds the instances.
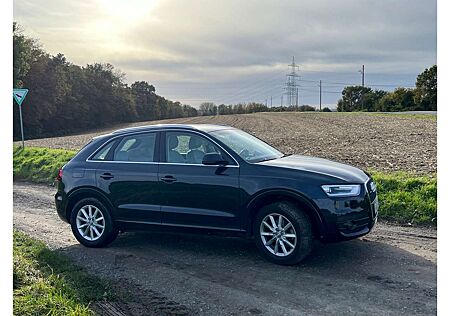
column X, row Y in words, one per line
column 136, row 148
column 103, row 153
column 185, row 147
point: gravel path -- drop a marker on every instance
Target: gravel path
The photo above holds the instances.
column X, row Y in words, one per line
column 382, row 142
column 392, row 271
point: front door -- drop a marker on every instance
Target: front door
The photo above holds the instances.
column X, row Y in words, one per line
column 129, row 176
column 193, row 194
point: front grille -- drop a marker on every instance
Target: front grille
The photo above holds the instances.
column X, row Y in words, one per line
column 372, row 193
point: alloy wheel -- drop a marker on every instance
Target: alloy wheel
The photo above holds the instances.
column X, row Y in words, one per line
column 278, row 235
column 90, row 222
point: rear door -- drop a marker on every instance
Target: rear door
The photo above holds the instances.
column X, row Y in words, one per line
column 129, row 176
column 193, row 194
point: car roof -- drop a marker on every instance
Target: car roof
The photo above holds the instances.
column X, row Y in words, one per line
column 202, row 127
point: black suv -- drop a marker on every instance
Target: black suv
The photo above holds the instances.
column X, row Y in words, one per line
column 212, row 178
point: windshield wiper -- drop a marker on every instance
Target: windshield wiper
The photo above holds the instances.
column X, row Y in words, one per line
column 265, row 159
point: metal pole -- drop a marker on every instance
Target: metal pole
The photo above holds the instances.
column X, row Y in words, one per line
column 320, row 95
column 362, row 92
column 21, row 125
column 363, row 76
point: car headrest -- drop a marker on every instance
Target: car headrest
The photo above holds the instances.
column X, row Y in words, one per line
column 173, row 142
column 195, row 142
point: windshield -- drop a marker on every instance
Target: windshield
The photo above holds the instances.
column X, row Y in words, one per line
column 248, row 147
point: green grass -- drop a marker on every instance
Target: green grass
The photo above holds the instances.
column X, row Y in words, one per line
column 406, row 115
column 407, row 198
column 47, row 283
column 399, row 115
column 39, row 165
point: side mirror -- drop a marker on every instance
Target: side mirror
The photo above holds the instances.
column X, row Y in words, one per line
column 214, row 159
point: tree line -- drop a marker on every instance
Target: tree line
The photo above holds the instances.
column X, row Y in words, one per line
column 209, row 108
column 64, row 97
column 422, row 98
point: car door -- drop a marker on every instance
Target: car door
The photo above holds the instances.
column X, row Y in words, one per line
column 129, row 176
column 194, row 194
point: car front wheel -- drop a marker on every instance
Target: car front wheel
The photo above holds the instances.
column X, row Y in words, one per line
column 283, row 233
column 92, row 224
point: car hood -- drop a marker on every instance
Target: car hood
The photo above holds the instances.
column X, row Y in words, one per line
column 319, row 165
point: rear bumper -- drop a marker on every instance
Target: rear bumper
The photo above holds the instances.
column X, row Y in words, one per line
column 61, row 207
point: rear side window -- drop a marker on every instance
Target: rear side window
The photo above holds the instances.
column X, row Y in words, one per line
column 102, row 154
column 136, row 148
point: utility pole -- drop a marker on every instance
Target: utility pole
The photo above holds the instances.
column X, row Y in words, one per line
column 270, row 101
column 362, row 75
column 362, row 84
column 320, row 95
column 266, row 102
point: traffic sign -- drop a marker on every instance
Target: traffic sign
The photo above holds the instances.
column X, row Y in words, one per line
column 19, row 95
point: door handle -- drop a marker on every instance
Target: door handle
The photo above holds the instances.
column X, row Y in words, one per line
column 106, row 176
column 168, row 179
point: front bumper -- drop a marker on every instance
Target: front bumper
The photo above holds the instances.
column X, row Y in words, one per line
column 349, row 218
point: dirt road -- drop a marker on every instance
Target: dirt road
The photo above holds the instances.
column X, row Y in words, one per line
column 390, row 272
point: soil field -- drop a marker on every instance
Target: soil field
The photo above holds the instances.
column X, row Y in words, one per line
column 380, row 142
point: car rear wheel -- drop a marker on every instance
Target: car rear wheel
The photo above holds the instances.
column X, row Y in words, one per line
column 283, row 233
column 92, row 224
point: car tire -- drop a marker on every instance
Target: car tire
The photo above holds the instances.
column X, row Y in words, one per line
column 289, row 250
column 92, row 224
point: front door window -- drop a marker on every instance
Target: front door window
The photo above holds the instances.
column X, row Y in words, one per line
column 187, row 148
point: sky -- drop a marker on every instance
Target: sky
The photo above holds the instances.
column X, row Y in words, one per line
column 238, row 51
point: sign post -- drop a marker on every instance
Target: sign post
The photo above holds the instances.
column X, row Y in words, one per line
column 19, row 95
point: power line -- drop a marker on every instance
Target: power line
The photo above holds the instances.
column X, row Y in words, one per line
column 257, row 90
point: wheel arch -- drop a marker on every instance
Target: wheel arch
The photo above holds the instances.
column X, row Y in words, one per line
column 280, row 195
column 86, row 192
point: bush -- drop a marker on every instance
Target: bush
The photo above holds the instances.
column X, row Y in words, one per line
column 326, row 109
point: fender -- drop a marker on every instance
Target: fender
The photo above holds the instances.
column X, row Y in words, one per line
column 261, row 198
column 87, row 191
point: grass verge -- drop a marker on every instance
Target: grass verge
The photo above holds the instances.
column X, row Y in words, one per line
column 407, row 199
column 47, row 283
column 39, row 165
column 425, row 116
column 404, row 198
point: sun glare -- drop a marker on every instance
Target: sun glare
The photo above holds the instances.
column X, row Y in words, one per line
column 127, row 9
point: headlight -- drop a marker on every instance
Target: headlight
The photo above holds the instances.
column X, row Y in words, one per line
column 342, row 190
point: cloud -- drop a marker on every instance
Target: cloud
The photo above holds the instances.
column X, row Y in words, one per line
column 218, row 43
